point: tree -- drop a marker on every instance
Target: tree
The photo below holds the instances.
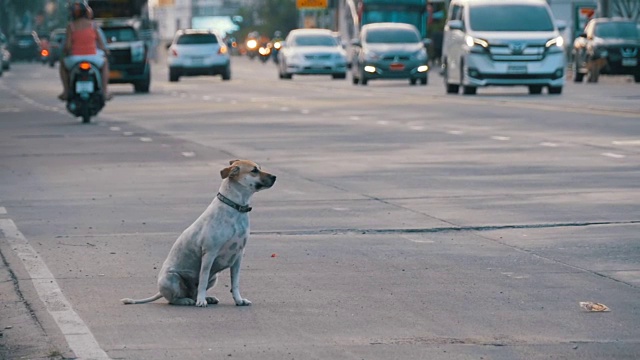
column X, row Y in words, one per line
column 267, row 16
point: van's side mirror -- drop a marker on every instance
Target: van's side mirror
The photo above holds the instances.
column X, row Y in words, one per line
column 455, row 25
column 426, row 42
column 583, row 35
column 168, row 46
column 561, row 24
column 356, row 42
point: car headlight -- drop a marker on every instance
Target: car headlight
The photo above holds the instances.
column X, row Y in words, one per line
column 295, row 58
column 420, row 55
column 557, row 42
column 137, row 52
column 371, row 56
column 475, row 42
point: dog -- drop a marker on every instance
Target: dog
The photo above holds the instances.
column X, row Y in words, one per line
column 214, row 242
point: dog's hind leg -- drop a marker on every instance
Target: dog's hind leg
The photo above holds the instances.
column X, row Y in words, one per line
column 212, row 282
column 173, row 289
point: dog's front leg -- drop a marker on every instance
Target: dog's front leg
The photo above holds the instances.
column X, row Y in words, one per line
column 235, row 283
column 205, row 268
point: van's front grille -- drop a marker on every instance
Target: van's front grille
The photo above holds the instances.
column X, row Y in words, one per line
column 516, row 53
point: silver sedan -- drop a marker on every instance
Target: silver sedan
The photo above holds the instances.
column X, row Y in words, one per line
column 312, row 52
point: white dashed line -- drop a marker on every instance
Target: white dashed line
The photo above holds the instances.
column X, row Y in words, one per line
column 416, row 127
column 613, row 155
column 284, row 109
column 188, row 154
column 455, row 132
column 626, row 142
column 114, row 128
column 354, row 118
column 127, row 133
column 78, row 335
column 146, row 139
column 382, row 122
column 501, row 138
column 548, row 144
column 305, row 111
column 206, row 97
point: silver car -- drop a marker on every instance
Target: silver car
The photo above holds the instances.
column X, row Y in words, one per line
column 198, row 52
column 505, row 43
column 312, row 52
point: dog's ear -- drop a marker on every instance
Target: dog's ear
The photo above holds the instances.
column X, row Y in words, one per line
column 232, row 161
column 230, row 172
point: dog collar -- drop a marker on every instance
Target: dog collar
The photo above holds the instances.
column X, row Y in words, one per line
column 240, row 208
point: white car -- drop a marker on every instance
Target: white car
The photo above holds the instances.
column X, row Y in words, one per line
column 312, row 52
column 198, row 52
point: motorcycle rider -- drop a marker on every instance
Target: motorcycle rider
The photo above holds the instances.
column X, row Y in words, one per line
column 83, row 43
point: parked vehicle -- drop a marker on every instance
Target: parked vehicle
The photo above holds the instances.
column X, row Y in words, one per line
column 506, row 43
column 56, row 45
column 25, row 47
column 86, row 96
column 4, row 52
column 390, row 51
column 198, row 52
column 312, row 52
column 129, row 62
column 607, row 46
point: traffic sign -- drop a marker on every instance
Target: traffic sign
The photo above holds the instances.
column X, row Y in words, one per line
column 312, row 4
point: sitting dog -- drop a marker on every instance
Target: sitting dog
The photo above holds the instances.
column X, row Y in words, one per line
column 214, row 242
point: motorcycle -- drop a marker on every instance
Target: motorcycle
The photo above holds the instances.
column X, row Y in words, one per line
column 252, row 48
column 277, row 45
column 86, row 96
column 265, row 52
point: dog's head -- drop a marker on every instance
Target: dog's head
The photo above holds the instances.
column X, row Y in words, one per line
column 248, row 174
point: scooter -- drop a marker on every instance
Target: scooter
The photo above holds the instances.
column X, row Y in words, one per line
column 86, row 96
column 265, row 52
column 277, row 45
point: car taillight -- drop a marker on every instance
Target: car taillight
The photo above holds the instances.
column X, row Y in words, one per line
column 174, row 52
column 223, row 50
column 85, row 65
column 44, row 52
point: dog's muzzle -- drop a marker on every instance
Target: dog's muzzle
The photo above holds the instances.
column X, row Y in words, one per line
column 266, row 182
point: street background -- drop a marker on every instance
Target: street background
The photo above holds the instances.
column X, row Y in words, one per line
column 405, row 223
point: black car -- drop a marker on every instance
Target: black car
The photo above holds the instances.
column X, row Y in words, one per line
column 607, row 46
column 25, row 47
column 128, row 63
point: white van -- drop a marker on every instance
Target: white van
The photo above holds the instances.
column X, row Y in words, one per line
column 502, row 43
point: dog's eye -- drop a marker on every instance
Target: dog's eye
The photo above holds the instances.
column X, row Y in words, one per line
column 255, row 170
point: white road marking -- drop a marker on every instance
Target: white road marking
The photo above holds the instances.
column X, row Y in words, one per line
column 626, row 142
column 127, row 133
column 11, row 109
column 114, row 128
column 613, row 155
column 354, row 118
column 305, row 111
column 417, row 239
column 548, row 144
column 284, row 109
column 188, row 154
column 3, row 210
column 416, row 127
column 78, row 335
column 501, row 138
column 455, row 132
column 206, row 97
column 382, row 122
column 146, row 139
column 340, row 209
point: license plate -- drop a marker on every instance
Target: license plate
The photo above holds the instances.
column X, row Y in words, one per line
column 115, row 74
column 517, row 69
column 396, row 67
column 629, row 61
column 197, row 60
column 84, row 86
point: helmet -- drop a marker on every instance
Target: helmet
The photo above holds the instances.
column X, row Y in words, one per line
column 78, row 10
column 277, row 34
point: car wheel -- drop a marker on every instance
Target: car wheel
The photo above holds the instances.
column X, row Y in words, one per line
column 339, row 76
column 451, row 88
column 354, row 80
column 424, row 81
column 593, row 73
column 535, row 89
column 173, row 75
column 143, row 86
column 363, row 79
column 226, row 74
column 636, row 78
column 577, row 75
column 555, row 90
column 413, row 81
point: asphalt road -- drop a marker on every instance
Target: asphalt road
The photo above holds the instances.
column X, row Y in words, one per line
column 405, row 223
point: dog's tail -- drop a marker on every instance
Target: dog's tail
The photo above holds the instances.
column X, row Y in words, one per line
column 127, row 301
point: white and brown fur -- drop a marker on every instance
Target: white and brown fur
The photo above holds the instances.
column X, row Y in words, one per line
column 214, row 242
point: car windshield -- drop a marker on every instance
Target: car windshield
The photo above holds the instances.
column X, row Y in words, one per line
column 197, row 39
column 25, row 38
column 391, row 36
column 510, row 18
column 314, row 40
column 617, row 30
column 123, row 34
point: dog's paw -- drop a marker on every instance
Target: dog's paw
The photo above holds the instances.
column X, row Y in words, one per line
column 201, row 303
column 243, row 302
column 212, row 300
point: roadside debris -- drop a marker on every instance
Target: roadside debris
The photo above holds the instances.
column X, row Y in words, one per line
column 594, row 306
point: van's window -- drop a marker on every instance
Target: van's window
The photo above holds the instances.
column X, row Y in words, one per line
column 510, row 18
column 455, row 12
column 197, row 39
column 619, row 30
column 391, row 36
